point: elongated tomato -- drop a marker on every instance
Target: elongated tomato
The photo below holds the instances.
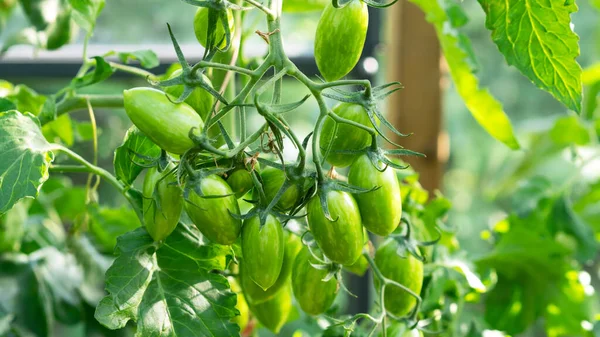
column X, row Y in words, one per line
column 165, row 123
column 340, row 38
column 380, row 209
column 340, row 240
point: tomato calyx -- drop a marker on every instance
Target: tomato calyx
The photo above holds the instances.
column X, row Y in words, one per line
column 380, row 157
column 409, row 245
column 191, row 77
column 368, row 98
column 195, row 177
column 343, row 3
column 218, row 14
column 328, row 185
column 334, row 270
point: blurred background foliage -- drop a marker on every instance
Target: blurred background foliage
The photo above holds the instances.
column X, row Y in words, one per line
column 538, row 199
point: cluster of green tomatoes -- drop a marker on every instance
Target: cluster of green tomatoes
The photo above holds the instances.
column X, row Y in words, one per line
column 235, row 201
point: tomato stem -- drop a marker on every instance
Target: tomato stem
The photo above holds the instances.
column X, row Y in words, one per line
column 91, row 168
column 79, row 102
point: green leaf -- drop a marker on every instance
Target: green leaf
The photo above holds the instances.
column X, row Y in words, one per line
column 536, row 278
column 564, row 219
column 535, row 36
column 169, row 291
column 24, row 296
column 94, row 266
column 136, row 152
column 60, row 129
column 6, row 104
column 147, row 58
column 41, row 289
column 109, row 223
column 101, row 72
column 25, row 158
column 85, row 131
column 570, row 131
column 86, row 12
column 591, row 74
column 483, row 106
column 26, row 99
column 528, row 194
column 12, row 227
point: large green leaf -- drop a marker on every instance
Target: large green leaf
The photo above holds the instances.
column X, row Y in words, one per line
column 169, row 291
column 485, row 108
column 25, row 157
column 136, row 152
column 535, row 36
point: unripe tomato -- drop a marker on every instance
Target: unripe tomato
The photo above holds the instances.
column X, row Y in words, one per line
column 256, row 294
column 300, row 6
column 263, row 249
column 273, row 179
column 165, row 123
column 240, row 181
column 340, row 38
column 400, row 330
column 242, row 306
column 274, row 313
column 200, row 100
column 407, row 271
column 163, row 202
column 359, row 267
column 381, row 209
column 340, row 240
column 347, row 137
column 312, row 293
column 213, row 216
column 201, row 27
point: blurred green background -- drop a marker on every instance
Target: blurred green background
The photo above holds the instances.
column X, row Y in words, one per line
column 480, row 170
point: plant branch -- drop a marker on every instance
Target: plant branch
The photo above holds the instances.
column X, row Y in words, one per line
column 79, row 102
column 263, row 8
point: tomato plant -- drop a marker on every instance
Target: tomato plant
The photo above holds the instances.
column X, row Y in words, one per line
column 216, row 227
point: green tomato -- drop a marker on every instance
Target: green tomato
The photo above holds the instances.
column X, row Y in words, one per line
column 201, row 27
column 263, row 249
column 165, row 123
column 213, row 216
column 400, row 330
column 301, row 6
column 273, row 179
column 312, row 293
column 274, row 313
column 256, row 294
column 163, row 202
column 242, row 306
column 407, row 271
column 380, row 209
column 347, row 136
column 340, row 38
column 340, row 240
column 359, row 267
column 200, row 100
column 240, row 181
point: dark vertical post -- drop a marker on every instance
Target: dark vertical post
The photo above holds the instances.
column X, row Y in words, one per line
column 412, row 55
